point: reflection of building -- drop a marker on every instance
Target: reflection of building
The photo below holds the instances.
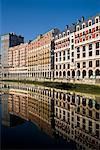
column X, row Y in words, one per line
column 18, row 105
column 70, row 115
column 8, row 40
column 77, row 118
column 5, row 113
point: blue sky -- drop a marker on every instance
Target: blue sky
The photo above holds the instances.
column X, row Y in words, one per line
column 32, row 17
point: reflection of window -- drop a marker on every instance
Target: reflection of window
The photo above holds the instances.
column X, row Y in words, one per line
column 90, row 113
column 97, row 115
column 97, row 133
column 84, row 111
column 97, row 126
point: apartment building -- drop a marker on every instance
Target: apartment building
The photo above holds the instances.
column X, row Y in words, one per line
column 17, row 61
column 41, row 56
column 7, row 41
column 77, row 50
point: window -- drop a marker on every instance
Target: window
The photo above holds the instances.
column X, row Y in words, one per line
column 72, row 54
column 84, row 64
column 72, row 60
column 90, row 23
column 83, row 48
column 77, row 35
column 72, row 47
column 63, row 55
column 78, row 28
column 83, row 26
column 56, row 66
column 68, row 57
column 90, row 46
column 72, row 40
column 90, row 53
column 97, row 28
column 78, row 55
column 78, row 65
column 56, row 56
column 68, row 66
column 78, row 49
column 83, row 33
column 90, row 63
column 97, row 63
column 97, row 45
column 60, row 67
column 59, row 56
column 89, row 30
column 64, row 66
column 97, row 20
column 84, row 54
column 97, row 52
column 68, row 33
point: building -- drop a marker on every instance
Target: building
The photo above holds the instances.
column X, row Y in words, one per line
column 70, row 56
column 17, row 61
column 8, row 40
column 77, row 50
column 41, row 56
column 0, row 67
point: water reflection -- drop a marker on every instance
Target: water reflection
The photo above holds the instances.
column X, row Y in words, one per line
column 72, row 116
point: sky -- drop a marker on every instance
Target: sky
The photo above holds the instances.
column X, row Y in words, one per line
column 33, row 17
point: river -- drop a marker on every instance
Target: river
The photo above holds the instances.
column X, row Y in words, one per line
column 36, row 117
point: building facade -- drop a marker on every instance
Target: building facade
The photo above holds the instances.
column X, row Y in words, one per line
column 8, row 40
column 71, row 55
column 17, row 61
column 77, row 50
column 41, row 56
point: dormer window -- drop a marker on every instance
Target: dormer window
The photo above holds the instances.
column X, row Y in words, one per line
column 63, row 33
column 59, row 35
column 78, row 28
column 96, row 20
column 56, row 37
column 90, row 23
column 83, row 26
column 67, row 32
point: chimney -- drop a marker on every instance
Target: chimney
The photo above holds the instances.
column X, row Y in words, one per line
column 82, row 19
column 78, row 21
column 67, row 26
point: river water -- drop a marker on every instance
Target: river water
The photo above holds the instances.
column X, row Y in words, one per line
column 36, row 117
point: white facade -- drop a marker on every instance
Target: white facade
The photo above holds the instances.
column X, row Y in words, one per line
column 77, row 53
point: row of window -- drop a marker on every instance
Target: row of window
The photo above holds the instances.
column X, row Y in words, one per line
column 84, row 65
